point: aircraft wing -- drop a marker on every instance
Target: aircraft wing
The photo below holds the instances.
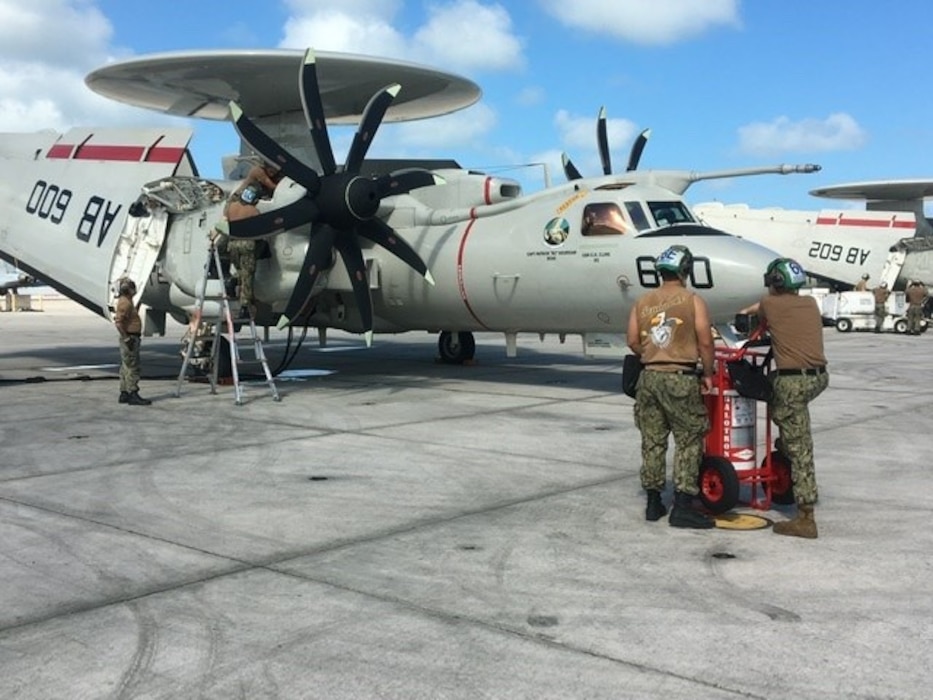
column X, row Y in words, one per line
column 63, row 213
column 878, row 190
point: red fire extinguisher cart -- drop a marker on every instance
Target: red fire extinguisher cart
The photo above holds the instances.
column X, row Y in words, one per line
column 730, row 464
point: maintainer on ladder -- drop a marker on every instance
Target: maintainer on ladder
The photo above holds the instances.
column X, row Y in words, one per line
column 213, row 288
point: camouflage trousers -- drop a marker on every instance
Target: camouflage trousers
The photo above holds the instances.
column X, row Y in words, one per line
column 243, row 256
column 668, row 403
column 129, row 363
column 914, row 316
column 791, row 414
column 880, row 313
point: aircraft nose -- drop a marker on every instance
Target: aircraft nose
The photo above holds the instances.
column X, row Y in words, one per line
column 737, row 268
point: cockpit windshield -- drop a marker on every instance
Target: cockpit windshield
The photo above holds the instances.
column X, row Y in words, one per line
column 603, row 219
column 670, row 213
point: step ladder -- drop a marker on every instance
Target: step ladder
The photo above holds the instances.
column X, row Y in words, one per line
column 197, row 335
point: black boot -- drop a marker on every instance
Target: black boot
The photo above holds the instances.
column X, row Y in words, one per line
column 655, row 509
column 124, row 396
column 136, row 400
column 683, row 513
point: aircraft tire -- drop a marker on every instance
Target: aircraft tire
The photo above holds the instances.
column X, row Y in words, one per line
column 719, row 484
column 455, row 348
column 843, row 325
column 782, row 487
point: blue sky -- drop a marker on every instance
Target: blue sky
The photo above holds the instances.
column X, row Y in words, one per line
column 721, row 83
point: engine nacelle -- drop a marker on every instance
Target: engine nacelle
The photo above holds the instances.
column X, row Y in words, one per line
column 467, row 188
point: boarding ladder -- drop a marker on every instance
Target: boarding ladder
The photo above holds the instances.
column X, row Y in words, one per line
column 198, row 332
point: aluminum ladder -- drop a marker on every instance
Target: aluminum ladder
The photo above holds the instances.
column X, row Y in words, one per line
column 196, row 334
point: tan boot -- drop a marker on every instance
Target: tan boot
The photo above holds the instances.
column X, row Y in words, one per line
column 804, row 525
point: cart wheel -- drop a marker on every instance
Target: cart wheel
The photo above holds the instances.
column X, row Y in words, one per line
column 719, row 484
column 782, row 487
column 843, row 325
column 900, row 325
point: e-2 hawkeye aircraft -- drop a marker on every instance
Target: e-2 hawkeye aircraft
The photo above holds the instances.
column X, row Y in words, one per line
column 891, row 240
column 360, row 246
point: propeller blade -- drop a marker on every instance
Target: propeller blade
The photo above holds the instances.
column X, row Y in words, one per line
column 635, row 156
column 406, row 180
column 352, row 256
column 372, row 117
column 310, row 92
column 380, row 232
column 261, row 143
column 299, row 212
column 569, row 169
column 603, row 141
column 317, row 258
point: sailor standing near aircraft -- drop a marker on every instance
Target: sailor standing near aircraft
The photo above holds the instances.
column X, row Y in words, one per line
column 669, row 329
column 796, row 329
column 916, row 298
column 260, row 182
column 862, row 284
column 881, row 293
column 129, row 325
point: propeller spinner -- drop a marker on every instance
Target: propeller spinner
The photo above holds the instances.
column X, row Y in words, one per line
column 339, row 203
column 603, row 142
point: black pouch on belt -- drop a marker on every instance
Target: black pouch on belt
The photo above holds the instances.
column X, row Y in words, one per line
column 750, row 380
column 631, row 370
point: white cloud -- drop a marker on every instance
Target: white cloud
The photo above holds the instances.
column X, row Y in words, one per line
column 530, row 96
column 48, row 48
column 838, row 132
column 59, row 32
column 658, row 22
column 337, row 30
column 463, row 35
column 461, row 129
column 468, row 35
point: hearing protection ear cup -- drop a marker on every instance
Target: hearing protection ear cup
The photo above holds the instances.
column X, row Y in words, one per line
column 785, row 273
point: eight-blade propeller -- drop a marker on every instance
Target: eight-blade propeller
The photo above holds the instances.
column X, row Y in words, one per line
column 602, row 140
column 339, row 203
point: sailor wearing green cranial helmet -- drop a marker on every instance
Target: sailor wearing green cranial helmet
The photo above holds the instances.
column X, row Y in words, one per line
column 785, row 273
column 677, row 259
column 669, row 330
column 795, row 326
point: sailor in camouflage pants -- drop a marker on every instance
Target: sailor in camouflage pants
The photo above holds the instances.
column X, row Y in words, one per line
column 671, row 403
column 791, row 414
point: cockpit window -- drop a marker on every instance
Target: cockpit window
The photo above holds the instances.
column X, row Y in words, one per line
column 604, row 219
column 636, row 213
column 670, row 213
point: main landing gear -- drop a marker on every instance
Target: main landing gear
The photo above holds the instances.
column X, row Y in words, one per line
column 455, row 348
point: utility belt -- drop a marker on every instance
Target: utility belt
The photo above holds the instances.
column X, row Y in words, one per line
column 806, row 371
column 689, row 368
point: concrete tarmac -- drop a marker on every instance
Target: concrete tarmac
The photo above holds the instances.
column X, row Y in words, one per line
column 398, row 528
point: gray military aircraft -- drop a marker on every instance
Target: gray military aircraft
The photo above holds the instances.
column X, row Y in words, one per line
column 362, row 246
column 891, row 240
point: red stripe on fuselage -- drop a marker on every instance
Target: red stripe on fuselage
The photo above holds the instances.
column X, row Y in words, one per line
column 461, row 285
column 487, row 190
column 868, row 223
